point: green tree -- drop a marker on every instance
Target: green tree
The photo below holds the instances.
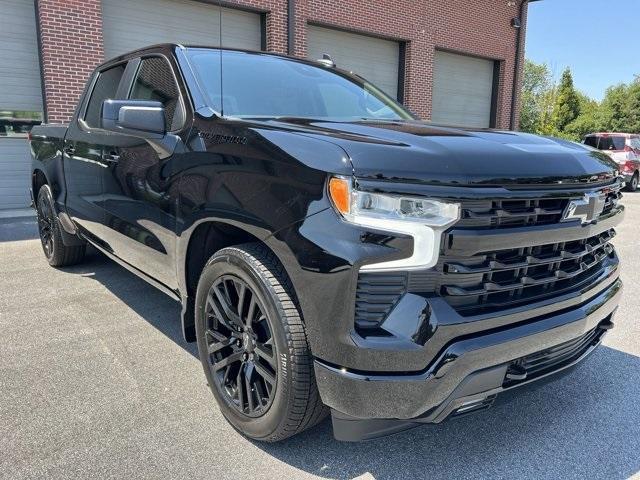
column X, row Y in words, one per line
column 633, row 107
column 535, row 83
column 562, row 111
column 587, row 121
column 547, row 102
column 614, row 110
column 567, row 103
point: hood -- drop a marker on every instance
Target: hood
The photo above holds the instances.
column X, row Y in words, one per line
column 419, row 152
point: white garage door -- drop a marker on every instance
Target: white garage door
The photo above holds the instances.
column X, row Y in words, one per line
column 128, row 25
column 20, row 98
column 462, row 90
column 375, row 59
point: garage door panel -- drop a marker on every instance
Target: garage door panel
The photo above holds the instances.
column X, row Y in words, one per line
column 130, row 25
column 375, row 59
column 15, row 202
column 19, row 61
column 462, row 90
column 15, row 165
column 20, row 91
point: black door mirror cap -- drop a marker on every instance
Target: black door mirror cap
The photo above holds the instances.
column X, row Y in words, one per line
column 138, row 118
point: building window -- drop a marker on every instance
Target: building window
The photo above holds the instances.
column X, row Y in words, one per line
column 18, row 123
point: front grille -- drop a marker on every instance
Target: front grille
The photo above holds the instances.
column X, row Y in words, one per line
column 376, row 295
column 493, row 281
column 554, row 358
column 496, row 280
column 511, row 213
column 506, row 213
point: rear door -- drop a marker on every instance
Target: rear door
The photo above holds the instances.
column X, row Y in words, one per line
column 140, row 198
column 83, row 154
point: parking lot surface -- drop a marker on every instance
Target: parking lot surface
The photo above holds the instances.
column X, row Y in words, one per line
column 96, row 381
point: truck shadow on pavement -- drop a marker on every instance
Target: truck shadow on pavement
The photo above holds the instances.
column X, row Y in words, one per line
column 159, row 310
column 586, row 424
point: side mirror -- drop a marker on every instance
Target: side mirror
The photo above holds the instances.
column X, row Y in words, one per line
column 138, row 118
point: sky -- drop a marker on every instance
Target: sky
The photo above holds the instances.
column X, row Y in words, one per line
column 598, row 39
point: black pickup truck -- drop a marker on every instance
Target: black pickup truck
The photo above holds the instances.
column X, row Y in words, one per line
column 332, row 254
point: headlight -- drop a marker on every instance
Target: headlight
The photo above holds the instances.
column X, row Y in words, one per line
column 424, row 219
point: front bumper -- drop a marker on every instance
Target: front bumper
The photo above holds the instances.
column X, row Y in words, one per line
column 415, row 367
column 627, row 177
column 466, row 374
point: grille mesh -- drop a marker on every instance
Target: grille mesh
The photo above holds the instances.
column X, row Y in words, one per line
column 505, row 278
column 505, row 213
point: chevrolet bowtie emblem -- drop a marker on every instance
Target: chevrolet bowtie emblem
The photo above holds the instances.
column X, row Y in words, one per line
column 586, row 209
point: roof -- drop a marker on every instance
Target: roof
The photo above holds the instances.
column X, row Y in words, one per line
column 620, row 134
column 172, row 46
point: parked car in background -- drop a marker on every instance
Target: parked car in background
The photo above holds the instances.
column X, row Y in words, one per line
column 624, row 149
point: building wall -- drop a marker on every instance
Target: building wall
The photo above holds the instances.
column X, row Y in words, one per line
column 71, row 40
column 70, row 48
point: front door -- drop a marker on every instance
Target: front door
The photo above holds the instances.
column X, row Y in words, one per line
column 139, row 199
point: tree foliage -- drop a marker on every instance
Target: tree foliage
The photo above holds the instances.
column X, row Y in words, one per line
column 567, row 103
column 558, row 109
column 536, row 83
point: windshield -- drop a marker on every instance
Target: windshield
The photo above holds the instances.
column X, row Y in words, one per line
column 258, row 86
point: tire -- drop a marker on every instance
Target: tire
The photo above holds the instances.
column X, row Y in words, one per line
column 632, row 186
column 56, row 252
column 267, row 346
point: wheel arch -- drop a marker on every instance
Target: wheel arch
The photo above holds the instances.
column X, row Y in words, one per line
column 196, row 246
column 38, row 179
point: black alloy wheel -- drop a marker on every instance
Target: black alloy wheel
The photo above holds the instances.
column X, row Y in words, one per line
column 58, row 254
column 242, row 355
column 253, row 345
column 46, row 222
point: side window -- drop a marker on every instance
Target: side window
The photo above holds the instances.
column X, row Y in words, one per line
column 105, row 87
column 155, row 81
column 591, row 141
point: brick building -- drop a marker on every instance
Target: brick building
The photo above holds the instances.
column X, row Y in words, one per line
column 451, row 61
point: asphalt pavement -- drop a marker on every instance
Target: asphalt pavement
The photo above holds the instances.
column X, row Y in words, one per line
column 96, row 381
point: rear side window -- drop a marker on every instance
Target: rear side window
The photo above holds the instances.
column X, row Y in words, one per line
column 611, row 143
column 591, row 141
column 155, row 81
column 105, row 87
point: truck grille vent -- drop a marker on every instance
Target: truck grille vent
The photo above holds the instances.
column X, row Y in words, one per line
column 507, row 278
column 551, row 359
column 376, row 295
column 519, row 212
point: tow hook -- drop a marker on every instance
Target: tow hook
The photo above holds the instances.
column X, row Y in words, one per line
column 516, row 372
